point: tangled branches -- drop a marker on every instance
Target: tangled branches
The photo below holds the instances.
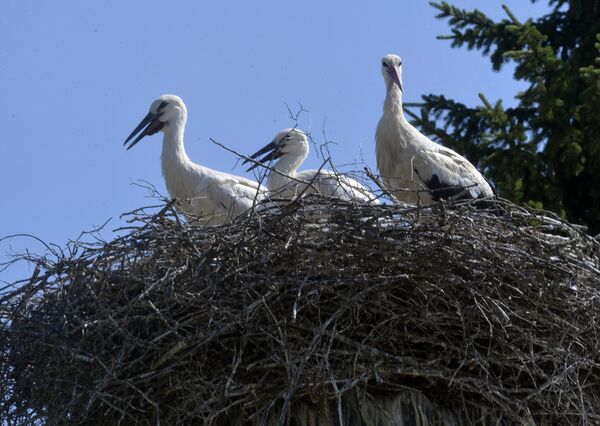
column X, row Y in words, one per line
column 485, row 316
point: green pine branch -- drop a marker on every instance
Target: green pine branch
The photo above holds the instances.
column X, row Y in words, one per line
column 546, row 150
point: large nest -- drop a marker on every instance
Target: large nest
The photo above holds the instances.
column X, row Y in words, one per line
column 485, row 315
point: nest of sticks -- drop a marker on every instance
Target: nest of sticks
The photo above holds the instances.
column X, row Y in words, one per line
column 484, row 315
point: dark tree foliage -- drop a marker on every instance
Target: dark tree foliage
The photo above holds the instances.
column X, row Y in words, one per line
column 546, row 150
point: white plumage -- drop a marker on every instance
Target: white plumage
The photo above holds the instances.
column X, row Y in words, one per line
column 290, row 148
column 207, row 196
column 414, row 168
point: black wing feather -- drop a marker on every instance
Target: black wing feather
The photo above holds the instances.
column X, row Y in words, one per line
column 440, row 190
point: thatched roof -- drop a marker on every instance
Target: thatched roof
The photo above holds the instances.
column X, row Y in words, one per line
column 478, row 315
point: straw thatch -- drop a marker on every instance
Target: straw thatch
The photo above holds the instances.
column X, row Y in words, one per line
column 321, row 313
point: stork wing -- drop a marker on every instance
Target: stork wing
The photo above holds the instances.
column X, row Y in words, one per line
column 448, row 174
column 223, row 196
column 339, row 186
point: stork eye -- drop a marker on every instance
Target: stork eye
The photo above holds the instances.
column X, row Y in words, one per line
column 162, row 105
column 384, row 65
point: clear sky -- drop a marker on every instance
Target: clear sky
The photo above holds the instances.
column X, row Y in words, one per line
column 77, row 76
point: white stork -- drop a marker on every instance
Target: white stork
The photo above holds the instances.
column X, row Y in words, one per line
column 290, row 148
column 415, row 169
column 207, row 196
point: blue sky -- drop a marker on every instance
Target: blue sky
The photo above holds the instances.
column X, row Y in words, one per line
column 76, row 77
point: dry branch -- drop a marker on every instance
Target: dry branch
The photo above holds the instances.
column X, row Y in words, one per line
column 483, row 315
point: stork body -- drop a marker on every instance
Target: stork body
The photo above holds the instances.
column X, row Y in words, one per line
column 290, row 148
column 415, row 169
column 206, row 195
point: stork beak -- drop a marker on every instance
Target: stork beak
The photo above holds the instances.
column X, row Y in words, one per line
column 395, row 74
column 152, row 125
column 274, row 152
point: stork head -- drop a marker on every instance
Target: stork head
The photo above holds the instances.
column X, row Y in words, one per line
column 289, row 142
column 165, row 110
column 391, row 68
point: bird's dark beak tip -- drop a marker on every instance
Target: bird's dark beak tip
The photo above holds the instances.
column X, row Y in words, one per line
column 148, row 126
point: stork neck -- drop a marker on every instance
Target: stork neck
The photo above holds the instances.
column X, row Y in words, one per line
column 393, row 101
column 287, row 167
column 173, row 149
column 174, row 159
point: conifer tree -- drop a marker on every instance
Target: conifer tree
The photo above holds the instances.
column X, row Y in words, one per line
column 545, row 151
